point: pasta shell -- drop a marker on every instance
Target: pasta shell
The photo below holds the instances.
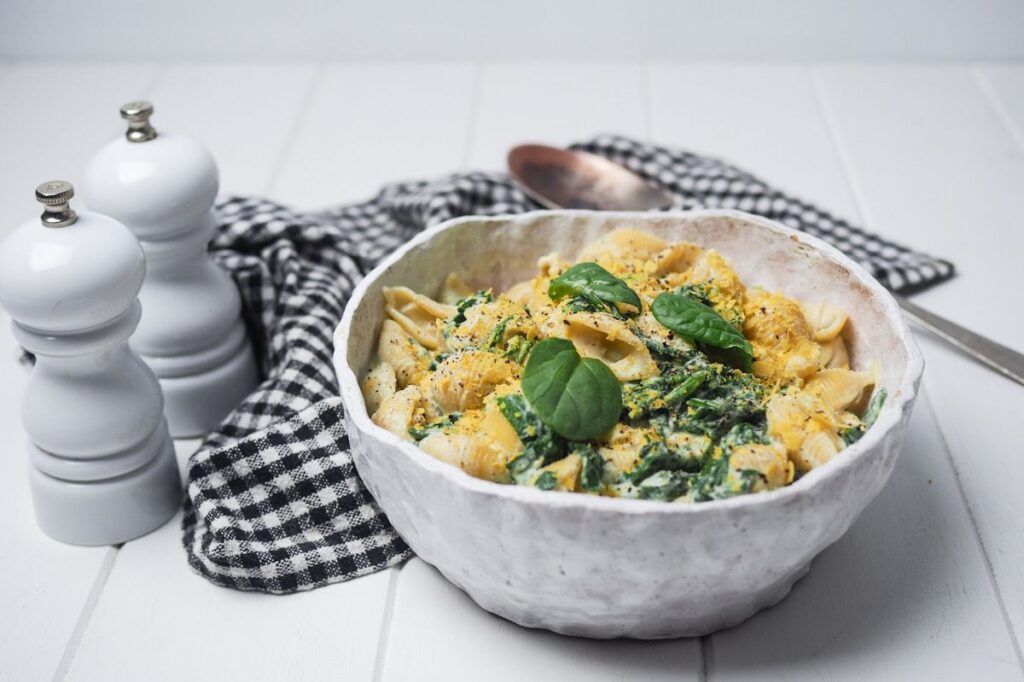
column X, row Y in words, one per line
column 625, row 243
column 520, row 292
column 470, row 453
column 786, row 420
column 496, row 430
column 834, row 355
column 601, row 336
column 462, row 380
column 791, row 416
column 622, row 447
column 477, row 331
column 418, row 315
column 817, row 449
column 566, row 471
column 454, row 290
column 406, row 357
column 649, row 327
column 826, row 321
column 768, row 460
column 400, row 412
column 678, row 257
column 691, row 444
column 379, row 385
column 801, row 361
column 549, row 318
column 723, row 285
column 839, row 388
column 784, row 347
column 551, row 266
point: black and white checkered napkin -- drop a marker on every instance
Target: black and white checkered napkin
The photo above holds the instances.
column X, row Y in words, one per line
column 274, row 502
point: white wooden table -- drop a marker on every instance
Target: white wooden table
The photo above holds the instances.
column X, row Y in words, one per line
column 929, row 583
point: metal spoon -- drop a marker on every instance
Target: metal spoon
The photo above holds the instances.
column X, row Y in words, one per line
column 561, row 178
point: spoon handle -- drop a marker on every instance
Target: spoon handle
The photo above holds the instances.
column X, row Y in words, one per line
column 1006, row 361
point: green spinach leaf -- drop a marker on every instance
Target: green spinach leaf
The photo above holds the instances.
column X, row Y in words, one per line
column 711, row 482
column 657, row 456
column 541, row 446
column 874, row 407
column 725, row 398
column 579, row 398
column 594, row 284
column 419, row 433
column 852, row 434
column 664, row 485
column 694, row 320
column 659, row 393
column 498, row 333
column 684, row 390
column 744, row 433
column 482, row 296
column 592, row 471
column 546, row 481
column 517, row 348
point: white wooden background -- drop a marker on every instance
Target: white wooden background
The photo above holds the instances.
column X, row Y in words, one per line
column 929, row 583
column 513, row 29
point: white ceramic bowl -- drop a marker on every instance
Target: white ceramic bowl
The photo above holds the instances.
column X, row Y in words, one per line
column 602, row 567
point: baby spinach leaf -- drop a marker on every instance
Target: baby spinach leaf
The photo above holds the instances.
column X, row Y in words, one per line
column 579, row 398
column 594, row 284
column 695, row 320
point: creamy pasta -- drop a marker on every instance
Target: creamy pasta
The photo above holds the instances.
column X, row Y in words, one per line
column 645, row 369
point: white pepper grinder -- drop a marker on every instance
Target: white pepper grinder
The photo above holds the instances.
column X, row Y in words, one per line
column 162, row 187
column 102, row 469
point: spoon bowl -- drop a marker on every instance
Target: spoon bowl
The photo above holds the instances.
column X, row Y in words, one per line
column 561, row 178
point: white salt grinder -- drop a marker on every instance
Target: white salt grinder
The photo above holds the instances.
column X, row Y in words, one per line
column 102, row 469
column 162, row 187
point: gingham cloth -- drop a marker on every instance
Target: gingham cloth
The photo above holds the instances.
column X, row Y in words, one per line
column 273, row 501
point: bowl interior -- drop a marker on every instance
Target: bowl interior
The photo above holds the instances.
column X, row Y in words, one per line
column 498, row 252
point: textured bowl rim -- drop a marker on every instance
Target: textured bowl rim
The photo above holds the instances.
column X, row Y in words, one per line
column 891, row 416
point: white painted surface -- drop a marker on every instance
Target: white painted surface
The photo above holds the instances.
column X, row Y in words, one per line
column 514, row 29
column 152, row 582
column 794, row 142
column 555, row 103
column 932, row 155
column 438, row 633
column 44, row 585
column 243, row 115
column 762, row 117
column 935, row 163
column 368, row 124
column 157, row 620
column 888, row 601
